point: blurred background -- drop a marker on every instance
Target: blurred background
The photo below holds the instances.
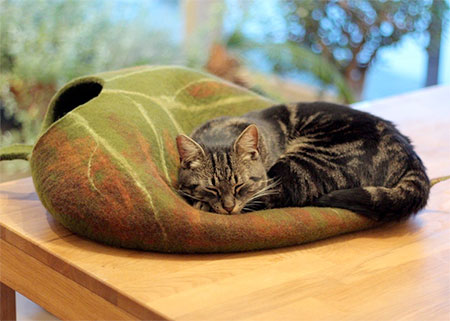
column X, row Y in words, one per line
column 289, row 50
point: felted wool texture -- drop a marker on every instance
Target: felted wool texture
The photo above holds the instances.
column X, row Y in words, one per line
column 105, row 166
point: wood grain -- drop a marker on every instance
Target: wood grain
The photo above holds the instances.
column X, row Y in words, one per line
column 396, row 272
column 7, row 303
column 54, row 292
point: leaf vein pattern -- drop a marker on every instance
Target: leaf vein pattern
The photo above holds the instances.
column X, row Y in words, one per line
column 80, row 120
column 157, row 136
column 197, row 81
column 90, row 179
column 160, row 101
column 222, row 102
column 153, row 100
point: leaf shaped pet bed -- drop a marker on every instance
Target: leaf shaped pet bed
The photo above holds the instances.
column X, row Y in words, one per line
column 105, row 166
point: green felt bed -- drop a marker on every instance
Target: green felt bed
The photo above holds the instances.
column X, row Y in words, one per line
column 105, row 166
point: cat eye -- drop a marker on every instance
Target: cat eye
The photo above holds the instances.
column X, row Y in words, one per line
column 255, row 178
column 237, row 188
column 212, row 189
column 192, row 186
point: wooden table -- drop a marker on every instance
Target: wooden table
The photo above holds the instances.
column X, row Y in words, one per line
column 400, row 271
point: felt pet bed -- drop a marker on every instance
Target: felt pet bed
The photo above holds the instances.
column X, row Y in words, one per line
column 105, row 166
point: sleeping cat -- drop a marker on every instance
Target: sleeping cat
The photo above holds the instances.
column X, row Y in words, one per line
column 306, row 154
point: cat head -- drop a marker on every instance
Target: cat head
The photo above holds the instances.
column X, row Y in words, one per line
column 230, row 179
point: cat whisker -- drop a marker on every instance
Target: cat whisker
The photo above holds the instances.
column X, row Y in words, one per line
column 248, row 209
column 266, row 191
column 255, row 202
column 252, row 207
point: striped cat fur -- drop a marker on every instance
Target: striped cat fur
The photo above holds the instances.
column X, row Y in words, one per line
column 305, row 154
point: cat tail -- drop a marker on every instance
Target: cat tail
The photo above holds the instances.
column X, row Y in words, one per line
column 383, row 203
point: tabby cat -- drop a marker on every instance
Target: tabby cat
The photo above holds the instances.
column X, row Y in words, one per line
column 306, row 154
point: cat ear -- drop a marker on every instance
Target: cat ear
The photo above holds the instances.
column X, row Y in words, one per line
column 190, row 152
column 246, row 145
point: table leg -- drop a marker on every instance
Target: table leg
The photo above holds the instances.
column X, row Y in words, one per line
column 7, row 303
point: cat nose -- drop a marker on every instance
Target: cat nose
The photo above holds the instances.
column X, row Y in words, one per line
column 229, row 209
column 228, row 205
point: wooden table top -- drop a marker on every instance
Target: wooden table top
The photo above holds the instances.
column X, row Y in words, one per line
column 399, row 271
